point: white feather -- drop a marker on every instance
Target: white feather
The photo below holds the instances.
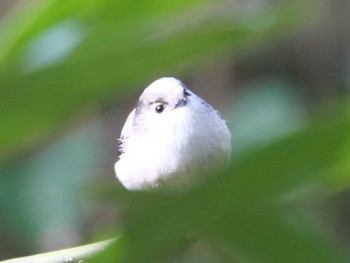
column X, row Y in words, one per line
column 170, row 147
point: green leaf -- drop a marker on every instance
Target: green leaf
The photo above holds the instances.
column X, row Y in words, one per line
column 245, row 212
column 113, row 46
column 76, row 254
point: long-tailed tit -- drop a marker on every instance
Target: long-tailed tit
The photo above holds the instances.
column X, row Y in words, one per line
column 171, row 137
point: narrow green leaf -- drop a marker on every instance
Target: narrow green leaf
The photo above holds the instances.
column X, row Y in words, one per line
column 117, row 46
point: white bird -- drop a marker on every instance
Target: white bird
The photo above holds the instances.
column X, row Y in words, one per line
column 170, row 138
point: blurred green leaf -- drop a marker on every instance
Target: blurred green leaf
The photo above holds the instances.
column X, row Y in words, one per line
column 243, row 211
column 116, row 44
column 241, row 214
column 59, row 57
column 76, row 254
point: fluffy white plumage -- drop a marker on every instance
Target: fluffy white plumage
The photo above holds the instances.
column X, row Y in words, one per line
column 170, row 137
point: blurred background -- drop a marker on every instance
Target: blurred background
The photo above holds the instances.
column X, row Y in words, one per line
column 70, row 72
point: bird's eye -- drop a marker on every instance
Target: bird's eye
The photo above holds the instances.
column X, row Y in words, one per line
column 159, row 108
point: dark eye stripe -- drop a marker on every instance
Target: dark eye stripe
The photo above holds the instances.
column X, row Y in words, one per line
column 186, row 93
column 120, row 147
column 160, row 101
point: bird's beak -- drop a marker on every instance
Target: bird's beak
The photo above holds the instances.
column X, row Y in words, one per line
column 182, row 102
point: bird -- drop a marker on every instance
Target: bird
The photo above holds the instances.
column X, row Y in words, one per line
column 170, row 138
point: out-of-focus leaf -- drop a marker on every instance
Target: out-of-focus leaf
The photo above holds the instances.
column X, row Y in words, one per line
column 76, row 254
column 242, row 211
column 117, row 45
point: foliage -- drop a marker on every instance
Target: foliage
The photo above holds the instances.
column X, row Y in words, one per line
column 65, row 255
column 116, row 44
column 254, row 211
